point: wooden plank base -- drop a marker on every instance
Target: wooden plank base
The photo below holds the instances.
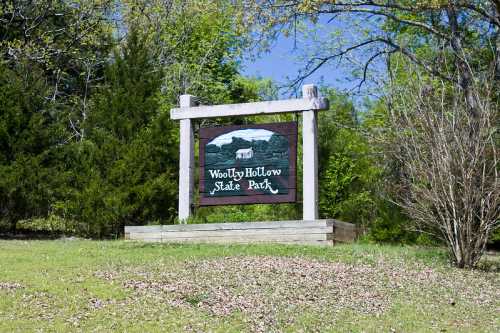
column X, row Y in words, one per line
column 317, row 232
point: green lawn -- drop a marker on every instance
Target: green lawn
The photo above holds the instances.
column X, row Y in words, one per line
column 101, row 286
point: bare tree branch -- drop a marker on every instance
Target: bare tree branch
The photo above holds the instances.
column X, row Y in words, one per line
column 452, row 186
column 391, row 16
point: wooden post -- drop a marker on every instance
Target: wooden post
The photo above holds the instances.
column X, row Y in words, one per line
column 186, row 162
column 310, row 194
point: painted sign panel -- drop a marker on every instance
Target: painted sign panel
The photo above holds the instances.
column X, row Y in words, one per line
column 248, row 164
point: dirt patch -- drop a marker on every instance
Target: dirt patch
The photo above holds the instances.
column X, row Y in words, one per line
column 10, row 286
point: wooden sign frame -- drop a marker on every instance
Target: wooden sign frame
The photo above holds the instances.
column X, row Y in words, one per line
column 287, row 129
column 308, row 106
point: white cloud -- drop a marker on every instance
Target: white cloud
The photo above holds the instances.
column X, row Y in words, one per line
column 247, row 134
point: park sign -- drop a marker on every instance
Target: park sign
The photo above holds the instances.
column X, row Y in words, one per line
column 248, row 164
column 268, row 171
column 245, row 164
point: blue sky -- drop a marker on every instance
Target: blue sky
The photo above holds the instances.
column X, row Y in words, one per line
column 282, row 63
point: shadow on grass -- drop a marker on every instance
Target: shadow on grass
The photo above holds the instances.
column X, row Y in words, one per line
column 30, row 235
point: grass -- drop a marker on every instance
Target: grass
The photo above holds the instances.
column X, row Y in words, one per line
column 60, row 286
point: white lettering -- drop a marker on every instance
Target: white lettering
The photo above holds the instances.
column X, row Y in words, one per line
column 221, row 186
column 265, row 185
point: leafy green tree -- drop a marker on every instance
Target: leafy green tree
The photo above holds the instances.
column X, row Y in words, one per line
column 67, row 41
column 196, row 43
column 349, row 174
column 30, row 137
column 51, row 55
column 456, row 47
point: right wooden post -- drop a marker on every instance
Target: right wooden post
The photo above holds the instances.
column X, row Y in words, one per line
column 310, row 195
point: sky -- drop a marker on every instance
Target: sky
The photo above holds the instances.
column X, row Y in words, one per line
column 282, row 63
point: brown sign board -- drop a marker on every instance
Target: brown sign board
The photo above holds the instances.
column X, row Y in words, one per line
column 244, row 164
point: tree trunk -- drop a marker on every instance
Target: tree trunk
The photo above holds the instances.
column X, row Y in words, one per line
column 13, row 225
column 497, row 56
column 464, row 72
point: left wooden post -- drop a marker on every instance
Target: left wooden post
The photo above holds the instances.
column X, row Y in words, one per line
column 186, row 161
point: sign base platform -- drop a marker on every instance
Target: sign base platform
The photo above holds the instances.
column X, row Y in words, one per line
column 316, row 232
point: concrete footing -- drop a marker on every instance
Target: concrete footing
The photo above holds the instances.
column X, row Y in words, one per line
column 316, row 232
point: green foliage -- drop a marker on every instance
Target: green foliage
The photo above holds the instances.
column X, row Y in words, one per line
column 196, row 44
column 495, row 239
column 348, row 172
column 49, row 53
column 391, row 225
column 353, row 170
column 66, row 41
column 52, row 224
column 86, row 138
column 125, row 166
column 246, row 213
column 29, row 137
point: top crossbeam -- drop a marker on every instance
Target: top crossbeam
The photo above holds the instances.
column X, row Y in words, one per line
column 245, row 109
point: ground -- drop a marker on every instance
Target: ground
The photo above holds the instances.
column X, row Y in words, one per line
column 100, row 286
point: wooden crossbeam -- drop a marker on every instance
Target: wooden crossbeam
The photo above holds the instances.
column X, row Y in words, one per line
column 245, row 109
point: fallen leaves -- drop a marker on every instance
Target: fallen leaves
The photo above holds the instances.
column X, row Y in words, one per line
column 272, row 292
column 10, row 286
column 267, row 288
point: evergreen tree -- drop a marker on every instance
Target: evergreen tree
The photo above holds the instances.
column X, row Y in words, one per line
column 30, row 136
column 126, row 167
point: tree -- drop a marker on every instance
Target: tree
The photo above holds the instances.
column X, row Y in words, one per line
column 125, row 169
column 348, row 174
column 68, row 42
column 196, row 44
column 451, row 185
column 458, row 32
column 51, row 53
column 29, row 137
column 456, row 42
